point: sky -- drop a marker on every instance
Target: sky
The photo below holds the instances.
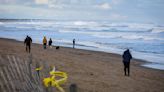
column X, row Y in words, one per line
column 147, row 11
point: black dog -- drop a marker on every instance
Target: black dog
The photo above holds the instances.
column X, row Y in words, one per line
column 57, row 47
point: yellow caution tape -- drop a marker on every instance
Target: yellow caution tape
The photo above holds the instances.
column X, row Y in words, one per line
column 37, row 69
column 52, row 81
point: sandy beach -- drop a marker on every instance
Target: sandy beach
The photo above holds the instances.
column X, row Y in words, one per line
column 91, row 71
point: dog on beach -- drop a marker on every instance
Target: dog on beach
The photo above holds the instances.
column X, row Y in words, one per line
column 57, row 47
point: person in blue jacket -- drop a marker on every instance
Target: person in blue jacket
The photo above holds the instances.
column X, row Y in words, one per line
column 126, row 61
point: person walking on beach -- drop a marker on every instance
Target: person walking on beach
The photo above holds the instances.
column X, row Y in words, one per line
column 28, row 42
column 73, row 43
column 50, row 43
column 126, row 61
column 44, row 42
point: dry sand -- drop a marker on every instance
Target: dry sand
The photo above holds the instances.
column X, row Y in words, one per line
column 92, row 71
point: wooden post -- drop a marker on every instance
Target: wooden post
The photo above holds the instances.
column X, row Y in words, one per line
column 73, row 88
column 29, row 66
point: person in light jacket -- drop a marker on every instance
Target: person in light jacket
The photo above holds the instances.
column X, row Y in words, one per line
column 44, row 42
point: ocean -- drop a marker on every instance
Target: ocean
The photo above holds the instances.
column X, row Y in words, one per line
column 145, row 40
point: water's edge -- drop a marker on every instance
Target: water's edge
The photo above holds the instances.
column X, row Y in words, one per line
column 143, row 63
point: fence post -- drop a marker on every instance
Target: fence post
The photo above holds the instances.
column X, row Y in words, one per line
column 73, row 88
column 29, row 66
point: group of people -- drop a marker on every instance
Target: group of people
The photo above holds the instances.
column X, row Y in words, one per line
column 126, row 55
column 45, row 42
column 28, row 41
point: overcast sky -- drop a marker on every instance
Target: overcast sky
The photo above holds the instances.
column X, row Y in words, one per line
column 110, row 10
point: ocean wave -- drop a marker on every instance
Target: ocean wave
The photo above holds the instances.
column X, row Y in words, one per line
column 140, row 26
column 139, row 37
column 85, row 23
column 1, row 23
column 89, row 25
column 117, row 35
column 154, row 65
column 150, row 57
column 127, row 36
column 157, row 30
column 24, row 27
column 146, row 38
column 122, row 27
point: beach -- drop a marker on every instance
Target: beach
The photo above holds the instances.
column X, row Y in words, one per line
column 144, row 40
column 91, row 71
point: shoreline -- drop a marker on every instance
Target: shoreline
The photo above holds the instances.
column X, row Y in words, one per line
column 140, row 62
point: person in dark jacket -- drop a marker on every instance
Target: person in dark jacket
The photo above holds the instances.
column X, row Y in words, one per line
column 50, row 43
column 126, row 60
column 73, row 43
column 28, row 42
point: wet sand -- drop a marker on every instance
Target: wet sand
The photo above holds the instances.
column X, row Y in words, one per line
column 91, row 71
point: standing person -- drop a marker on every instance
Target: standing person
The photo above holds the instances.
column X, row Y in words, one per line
column 44, row 42
column 126, row 60
column 73, row 43
column 50, row 43
column 28, row 42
